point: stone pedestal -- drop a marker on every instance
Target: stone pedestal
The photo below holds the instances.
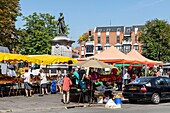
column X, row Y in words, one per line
column 62, row 46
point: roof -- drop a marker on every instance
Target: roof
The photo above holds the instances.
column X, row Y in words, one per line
column 113, row 55
column 125, row 29
column 133, row 53
column 110, row 29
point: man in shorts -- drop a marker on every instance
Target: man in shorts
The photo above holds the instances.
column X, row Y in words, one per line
column 27, row 84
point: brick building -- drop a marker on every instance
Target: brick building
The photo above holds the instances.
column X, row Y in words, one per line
column 121, row 37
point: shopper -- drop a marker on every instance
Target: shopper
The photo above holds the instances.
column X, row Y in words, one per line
column 76, row 76
column 66, row 88
column 59, row 80
column 27, row 83
column 81, row 73
column 119, row 82
column 43, row 83
column 125, row 77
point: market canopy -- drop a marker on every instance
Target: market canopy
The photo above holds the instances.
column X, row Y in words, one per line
column 52, row 59
column 94, row 63
column 113, row 55
column 133, row 53
column 8, row 57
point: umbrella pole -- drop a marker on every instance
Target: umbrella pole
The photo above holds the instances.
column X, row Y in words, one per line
column 123, row 73
column 145, row 70
column 91, row 89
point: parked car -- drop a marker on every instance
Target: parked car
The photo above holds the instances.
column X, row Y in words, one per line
column 153, row 89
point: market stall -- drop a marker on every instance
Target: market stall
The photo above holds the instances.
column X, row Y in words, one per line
column 113, row 55
column 134, row 54
column 13, row 84
column 100, row 84
column 9, row 85
column 52, row 59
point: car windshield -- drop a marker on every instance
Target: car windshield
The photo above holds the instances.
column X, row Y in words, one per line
column 140, row 81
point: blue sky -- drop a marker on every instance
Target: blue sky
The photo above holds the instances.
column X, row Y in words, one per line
column 81, row 15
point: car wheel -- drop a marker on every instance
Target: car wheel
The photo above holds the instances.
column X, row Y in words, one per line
column 155, row 98
column 132, row 101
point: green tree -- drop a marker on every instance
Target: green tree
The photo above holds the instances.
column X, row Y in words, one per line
column 9, row 10
column 155, row 37
column 40, row 29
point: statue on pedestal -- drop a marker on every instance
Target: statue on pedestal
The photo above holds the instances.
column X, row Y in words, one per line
column 61, row 44
column 61, row 25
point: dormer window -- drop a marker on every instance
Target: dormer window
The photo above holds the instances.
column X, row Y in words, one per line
column 128, row 30
column 118, row 29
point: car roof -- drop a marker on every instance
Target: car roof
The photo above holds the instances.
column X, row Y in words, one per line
column 155, row 77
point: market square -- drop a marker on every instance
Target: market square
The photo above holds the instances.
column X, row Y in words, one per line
column 55, row 57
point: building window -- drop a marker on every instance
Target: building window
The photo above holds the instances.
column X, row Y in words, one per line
column 119, row 47
column 107, row 39
column 99, row 48
column 136, row 39
column 143, row 47
column 99, row 30
column 89, row 49
column 106, row 47
column 128, row 30
column 136, row 47
column 108, row 30
column 118, row 39
column 98, row 40
column 127, row 48
column 127, row 38
column 118, row 29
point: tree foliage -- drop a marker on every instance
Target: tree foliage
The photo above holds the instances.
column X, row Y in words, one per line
column 40, row 29
column 155, row 37
column 9, row 10
column 84, row 37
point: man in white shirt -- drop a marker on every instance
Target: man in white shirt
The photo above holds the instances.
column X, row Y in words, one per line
column 27, row 84
column 125, row 77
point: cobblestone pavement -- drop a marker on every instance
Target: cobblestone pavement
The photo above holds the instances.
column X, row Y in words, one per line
column 37, row 103
column 21, row 103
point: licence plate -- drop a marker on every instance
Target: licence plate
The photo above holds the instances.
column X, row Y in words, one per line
column 132, row 88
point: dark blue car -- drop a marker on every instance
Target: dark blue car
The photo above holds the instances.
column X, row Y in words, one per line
column 153, row 89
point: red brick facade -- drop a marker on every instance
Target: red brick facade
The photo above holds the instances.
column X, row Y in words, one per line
column 128, row 37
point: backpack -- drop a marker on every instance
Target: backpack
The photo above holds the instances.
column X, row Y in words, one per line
column 53, row 87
